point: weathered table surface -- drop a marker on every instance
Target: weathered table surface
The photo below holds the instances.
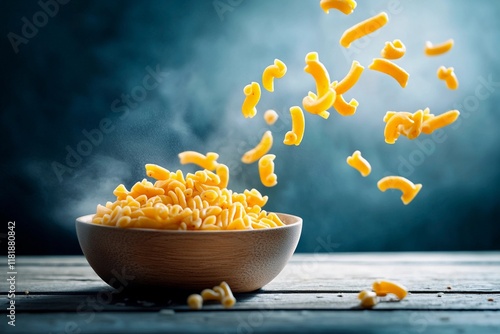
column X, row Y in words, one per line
column 450, row 293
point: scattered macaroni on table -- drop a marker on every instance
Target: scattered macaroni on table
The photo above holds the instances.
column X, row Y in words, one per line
column 258, row 151
column 407, row 187
column 438, row 49
column 344, row 6
column 448, row 75
column 383, row 287
column 363, row 28
column 393, row 50
column 277, row 70
column 388, row 67
column 368, row 298
column 221, row 293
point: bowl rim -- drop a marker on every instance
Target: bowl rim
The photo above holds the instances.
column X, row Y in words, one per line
column 87, row 220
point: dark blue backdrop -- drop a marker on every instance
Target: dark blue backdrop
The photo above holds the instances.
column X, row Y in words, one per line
column 93, row 90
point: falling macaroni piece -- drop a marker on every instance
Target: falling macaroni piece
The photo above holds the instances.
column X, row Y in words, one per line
column 271, row 116
column 266, row 170
column 258, row 151
column 368, row 298
column 277, row 70
column 350, row 79
column 345, row 6
column 318, row 71
column 344, row 108
column 383, row 287
column 294, row 137
column 318, row 105
column 394, row 126
column 157, row 172
column 407, row 187
column 432, row 124
column 388, row 67
column 393, row 50
column 252, row 97
column 221, row 293
column 416, row 128
column 438, row 49
column 448, row 75
column 363, row 28
column 359, row 163
column 207, row 162
column 222, row 172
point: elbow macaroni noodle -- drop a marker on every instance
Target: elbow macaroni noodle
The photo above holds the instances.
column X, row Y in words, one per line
column 363, row 28
column 318, row 105
column 252, row 97
column 383, row 287
column 359, row 163
column 436, row 122
column 270, row 116
column 277, row 70
column 221, row 293
column 393, row 50
column 344, row 108
column 436, row 50
column 295, row 136
column 206, row 162
column 344, row 6
column 368, row 298
column 258, row 151
column 350, row 79
column 448, row 75
column 266, row 170
column 388, row 67
column 318, row 71
column 408, row 189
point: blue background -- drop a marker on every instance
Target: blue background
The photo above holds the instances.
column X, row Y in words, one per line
column 74, row 72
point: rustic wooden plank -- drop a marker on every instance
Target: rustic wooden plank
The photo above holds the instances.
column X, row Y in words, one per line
column 259, row 321
column 297, row 276
column 278, row 301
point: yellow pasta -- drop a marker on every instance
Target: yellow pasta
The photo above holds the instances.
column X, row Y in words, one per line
column 448, row 75
column 208, row 161
column 271, row 116
column 295, row 136
column 368, row 298
column 252, row 97
column 344, row 6
column 383, row 287
column 359, row 163
column 438, row 49
column 388, row 67
column 350, row 79
column 277, row 70
column 195, row 302
column 408, row 189
column 258, row 151
column 318, row 105
column 318, row 71
column 363, row 28
column 228, row 299
column 221, row 293
column 394, row 126
column 266, row 170
column 344, row 108
column 198, row 201
column 437, row 122
column 393, row 50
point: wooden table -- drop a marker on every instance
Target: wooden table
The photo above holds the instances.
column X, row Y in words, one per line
column 315, row 293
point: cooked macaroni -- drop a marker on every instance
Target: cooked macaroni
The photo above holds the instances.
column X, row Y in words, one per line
column 393, row 50
column 345, row 6
column 190, row 157
column 318, row 71
column 383, row 287
column 368, row 298
column 228, row 299
column 408, row 189
column 266, row 170
column 395, row 125
column 277, row 70
column 363, row 28
column 221, row 293
column 448, row 75
column 252, row 97
column 318, row 105
column 258, row 151
column 359, row 163
column 294, row 137
column 271, row 116
column 435, row 50
column 350, row 79
column 432, row 124
column 388, row 67
column 344, row 108
column 195, row 302
column 198, row 201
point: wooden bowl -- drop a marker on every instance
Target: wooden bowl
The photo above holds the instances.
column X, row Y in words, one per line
column 194, row 260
